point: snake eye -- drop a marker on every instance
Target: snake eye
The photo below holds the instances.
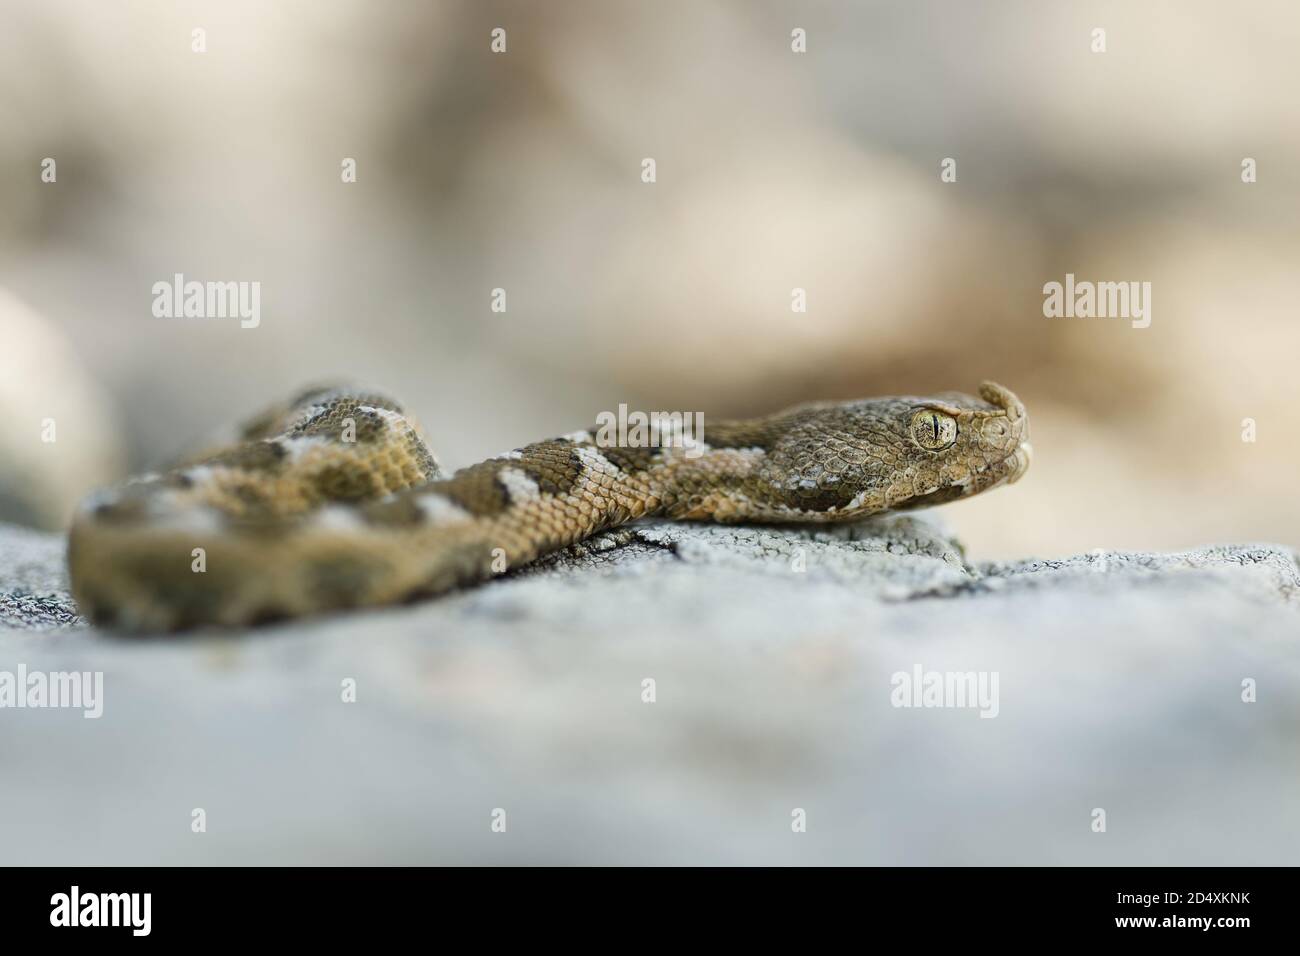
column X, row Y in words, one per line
column 932, row 430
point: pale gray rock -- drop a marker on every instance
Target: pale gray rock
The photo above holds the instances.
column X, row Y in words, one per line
column 33, row 581
column 774, row 654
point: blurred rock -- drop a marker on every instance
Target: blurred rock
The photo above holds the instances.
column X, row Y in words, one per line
column 1120, row 687
column 58, row 437
column 775, row 171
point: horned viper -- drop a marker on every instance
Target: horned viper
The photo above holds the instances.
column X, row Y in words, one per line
column 334, row 500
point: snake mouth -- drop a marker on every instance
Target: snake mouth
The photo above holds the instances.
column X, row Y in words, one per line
column 1019, row 460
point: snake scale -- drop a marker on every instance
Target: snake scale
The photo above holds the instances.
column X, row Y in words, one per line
column 333, row 500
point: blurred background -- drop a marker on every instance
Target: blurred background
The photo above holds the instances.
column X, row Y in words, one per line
column 775, row 170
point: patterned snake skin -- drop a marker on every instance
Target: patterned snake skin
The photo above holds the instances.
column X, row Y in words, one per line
column 335, row 501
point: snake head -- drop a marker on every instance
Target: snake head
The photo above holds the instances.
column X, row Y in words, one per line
column 972, row 444
column 853, row 460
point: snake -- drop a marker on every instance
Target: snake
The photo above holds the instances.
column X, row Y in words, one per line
column 333, row 499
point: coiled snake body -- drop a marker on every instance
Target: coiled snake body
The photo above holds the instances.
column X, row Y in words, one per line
column 335, row 501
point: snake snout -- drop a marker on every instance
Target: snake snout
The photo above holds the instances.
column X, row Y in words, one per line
column 1015, row 438
column 1023, row 455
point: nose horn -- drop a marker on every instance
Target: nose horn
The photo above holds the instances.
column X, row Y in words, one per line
column 1003, row 397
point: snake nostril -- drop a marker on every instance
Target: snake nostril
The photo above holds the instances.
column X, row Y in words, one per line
column 996, row 430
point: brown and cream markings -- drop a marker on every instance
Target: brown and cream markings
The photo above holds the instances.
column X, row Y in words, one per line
column 335, row 501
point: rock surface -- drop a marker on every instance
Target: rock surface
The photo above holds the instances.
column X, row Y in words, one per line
column 773, row 654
